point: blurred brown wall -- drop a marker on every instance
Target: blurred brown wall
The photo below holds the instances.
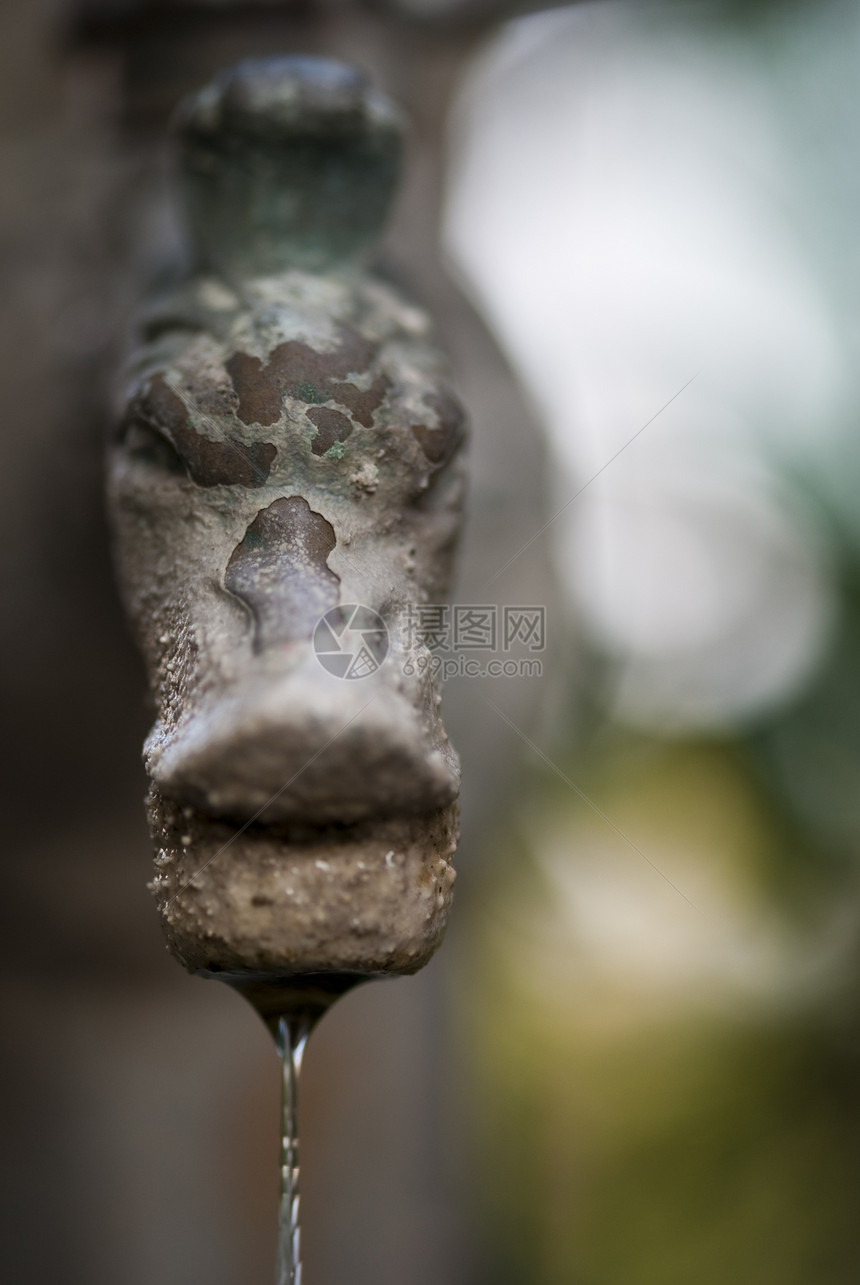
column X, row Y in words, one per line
column 139, row 1132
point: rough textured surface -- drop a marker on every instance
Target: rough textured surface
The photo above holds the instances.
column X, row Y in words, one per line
column 289, row 442
column 369, row 898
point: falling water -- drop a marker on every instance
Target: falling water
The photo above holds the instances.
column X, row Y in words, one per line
column 291, row 1006
column 291, row 1036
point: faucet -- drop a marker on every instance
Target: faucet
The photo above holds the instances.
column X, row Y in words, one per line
column 286, row 482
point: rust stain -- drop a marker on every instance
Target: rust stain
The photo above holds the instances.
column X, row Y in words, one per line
column 440, row 441
column 362, row 404
column 294, row 369
column 259, row 397
column 280, row 570
column 331, row 427
column 209, row 463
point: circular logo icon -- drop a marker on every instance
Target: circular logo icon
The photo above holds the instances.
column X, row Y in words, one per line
column 351, row 641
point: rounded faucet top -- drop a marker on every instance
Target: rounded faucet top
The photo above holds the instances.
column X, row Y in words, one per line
column 287, row 163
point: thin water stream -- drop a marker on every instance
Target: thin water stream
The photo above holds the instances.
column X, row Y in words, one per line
column 291, row 1008
column 291, row 1037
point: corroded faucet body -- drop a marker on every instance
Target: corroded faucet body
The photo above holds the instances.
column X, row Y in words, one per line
column 290, row 449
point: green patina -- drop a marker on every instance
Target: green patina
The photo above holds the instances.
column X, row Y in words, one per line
column 309, row 393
